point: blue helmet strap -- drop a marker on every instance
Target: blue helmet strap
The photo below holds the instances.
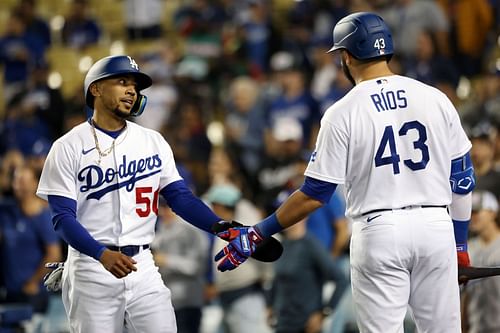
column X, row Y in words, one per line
column 139, row 105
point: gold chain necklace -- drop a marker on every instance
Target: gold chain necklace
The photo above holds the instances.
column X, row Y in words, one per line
column 101, row 153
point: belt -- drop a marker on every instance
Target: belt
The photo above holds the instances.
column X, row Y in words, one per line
column 405, row 207
column 130, row 250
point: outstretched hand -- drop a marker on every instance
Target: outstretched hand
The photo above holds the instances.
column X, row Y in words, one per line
column 243, row 242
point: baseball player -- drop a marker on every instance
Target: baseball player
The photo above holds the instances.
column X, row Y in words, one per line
column 397, row 145
column 102, row 181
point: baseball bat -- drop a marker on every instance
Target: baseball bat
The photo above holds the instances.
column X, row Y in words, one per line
column 470, row 273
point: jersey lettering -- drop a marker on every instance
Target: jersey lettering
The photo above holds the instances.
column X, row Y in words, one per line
column 389, row 100
column 388, row 139
column 142, row 198
column 94, row 176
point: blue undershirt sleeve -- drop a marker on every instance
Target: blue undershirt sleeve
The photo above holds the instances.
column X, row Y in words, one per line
column 68, row 228
column 185, row 204
column 318, row 189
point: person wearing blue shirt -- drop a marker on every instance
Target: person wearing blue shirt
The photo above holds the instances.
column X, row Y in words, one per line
column 27, row 241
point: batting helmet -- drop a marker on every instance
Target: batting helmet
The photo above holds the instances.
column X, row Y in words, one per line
column 113, row 66
column 364, row 35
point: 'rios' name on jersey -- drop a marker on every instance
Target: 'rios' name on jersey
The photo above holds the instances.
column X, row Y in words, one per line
column 128, row 174
column 389, row 100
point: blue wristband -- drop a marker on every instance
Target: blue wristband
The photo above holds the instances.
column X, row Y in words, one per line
column 269, row 226
column 461, row 230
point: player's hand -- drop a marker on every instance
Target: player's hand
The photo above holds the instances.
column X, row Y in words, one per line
column 463, row 259
column 31, row 288
column 314, row 323
column 242, row 243
column 53, row 279
column 117, row 263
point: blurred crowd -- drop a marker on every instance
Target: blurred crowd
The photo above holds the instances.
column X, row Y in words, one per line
column 239, row 89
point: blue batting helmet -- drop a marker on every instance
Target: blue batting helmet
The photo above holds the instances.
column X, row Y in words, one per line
column 113, row 66
column 364, row 35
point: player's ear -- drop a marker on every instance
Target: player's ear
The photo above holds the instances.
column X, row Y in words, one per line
column 346, row 56
column 94, row 89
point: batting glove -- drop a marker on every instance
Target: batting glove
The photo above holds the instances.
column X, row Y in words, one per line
column 242, row 243
column 53, row 280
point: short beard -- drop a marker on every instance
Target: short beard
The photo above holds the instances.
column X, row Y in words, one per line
column 120, row 114
column 347, row 72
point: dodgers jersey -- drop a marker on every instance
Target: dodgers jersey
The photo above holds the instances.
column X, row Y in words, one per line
column 390, row 141
column 117, row 200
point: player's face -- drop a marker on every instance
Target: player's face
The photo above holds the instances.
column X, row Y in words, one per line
column 118, row 95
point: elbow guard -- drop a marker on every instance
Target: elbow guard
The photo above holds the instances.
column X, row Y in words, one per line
column 462, row 179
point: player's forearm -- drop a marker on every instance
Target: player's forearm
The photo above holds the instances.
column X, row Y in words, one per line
column 296, row 208
column 185, row 204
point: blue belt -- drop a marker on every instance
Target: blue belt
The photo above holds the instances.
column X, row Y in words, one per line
column 413, row 206
column 130, row 250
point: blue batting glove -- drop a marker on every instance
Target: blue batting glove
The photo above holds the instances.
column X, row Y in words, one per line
column 242, row 243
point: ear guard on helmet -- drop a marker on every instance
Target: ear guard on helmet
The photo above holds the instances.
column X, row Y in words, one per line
column 139, row 105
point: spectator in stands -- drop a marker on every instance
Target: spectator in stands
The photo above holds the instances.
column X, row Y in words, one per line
column 408, row 18
column 482, row 310
column 48, row 103
column 143, row 18
column 181, row 252
column 259, row 37
column 27, row 242
column 471, row 22
column 300, row 274
column 163, row 94
column 294, row 100
column 427, row 65
column 482, row 154
column 36, row 26
column 18, row 53
column 34, row 113
column 240, row 292
column 80, row 30
column 244, row 123
column 325, row 70
column 187, row 134
column 282, row 165
column 9, row 162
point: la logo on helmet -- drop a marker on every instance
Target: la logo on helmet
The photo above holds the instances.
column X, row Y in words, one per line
column 133, row 64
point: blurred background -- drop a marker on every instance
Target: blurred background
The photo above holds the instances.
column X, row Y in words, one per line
column 239, row 89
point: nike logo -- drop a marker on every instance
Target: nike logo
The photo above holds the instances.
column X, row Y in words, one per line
column 373, row 218
column 85, row 152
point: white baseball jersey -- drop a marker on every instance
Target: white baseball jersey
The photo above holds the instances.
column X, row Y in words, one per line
column 390, row 141
column 117, row 200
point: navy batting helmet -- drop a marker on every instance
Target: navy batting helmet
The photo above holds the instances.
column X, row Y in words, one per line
column 364, row 35
column 113, row 66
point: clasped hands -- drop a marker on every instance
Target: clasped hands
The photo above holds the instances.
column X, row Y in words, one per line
column 243, row 241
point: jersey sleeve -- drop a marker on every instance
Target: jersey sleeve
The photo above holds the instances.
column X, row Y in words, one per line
column 458, row 140
column 329, row 160
column 58, row 174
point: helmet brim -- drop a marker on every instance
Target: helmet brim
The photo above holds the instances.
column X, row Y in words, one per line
column 143, row 81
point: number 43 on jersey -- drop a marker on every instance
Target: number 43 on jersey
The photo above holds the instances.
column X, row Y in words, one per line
column 389, row 141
